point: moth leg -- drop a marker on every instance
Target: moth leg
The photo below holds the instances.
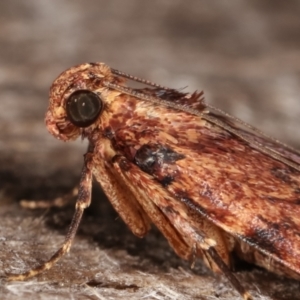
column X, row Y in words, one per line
column 56, row 202
column 122, row 199
column 154, row 213
column 83, row 201
column 213, row 254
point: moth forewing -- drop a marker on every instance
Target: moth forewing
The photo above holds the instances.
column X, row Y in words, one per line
column 213, row 185
column 182, row 102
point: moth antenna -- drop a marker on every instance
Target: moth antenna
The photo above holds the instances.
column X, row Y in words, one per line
column 137, row 79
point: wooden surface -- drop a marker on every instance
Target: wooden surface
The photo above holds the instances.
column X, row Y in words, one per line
column 246, row 58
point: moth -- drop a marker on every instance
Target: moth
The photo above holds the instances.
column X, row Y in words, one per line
column 216, row 187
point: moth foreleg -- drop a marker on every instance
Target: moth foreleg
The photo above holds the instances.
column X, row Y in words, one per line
column 83, row 201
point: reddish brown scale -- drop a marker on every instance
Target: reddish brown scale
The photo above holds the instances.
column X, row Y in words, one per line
column 212, row 184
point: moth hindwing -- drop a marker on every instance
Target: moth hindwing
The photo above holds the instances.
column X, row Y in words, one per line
column 215, row 187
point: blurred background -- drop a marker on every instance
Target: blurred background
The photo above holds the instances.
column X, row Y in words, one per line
column 244, row 55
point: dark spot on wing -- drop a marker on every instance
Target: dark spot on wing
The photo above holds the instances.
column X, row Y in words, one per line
column 151, row 157
column 167, row 180
column 122, row 162
column 170, row 210
column 266, row 239
column 281, row 174
column 297, row 202
column 297, row 190
column 183, row 197
column 267, row 235
column 108, row 133
column 125, row 165
column 276, row 200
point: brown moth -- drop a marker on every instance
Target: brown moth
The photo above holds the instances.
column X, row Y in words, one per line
column 215, row 187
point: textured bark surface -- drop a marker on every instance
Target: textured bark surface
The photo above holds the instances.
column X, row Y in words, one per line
column 245, row 56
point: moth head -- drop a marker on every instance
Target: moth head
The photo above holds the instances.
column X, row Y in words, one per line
column 77, row 99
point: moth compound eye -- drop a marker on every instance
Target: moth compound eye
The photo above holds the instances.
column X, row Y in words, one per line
column 83, row 107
